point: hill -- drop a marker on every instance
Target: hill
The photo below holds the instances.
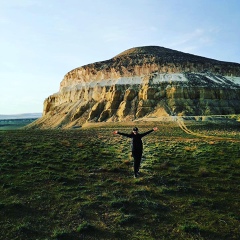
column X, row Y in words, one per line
column 148, row 81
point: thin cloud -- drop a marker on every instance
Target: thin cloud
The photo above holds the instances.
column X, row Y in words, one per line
column 3, row 20
column 193, row 40
column 22, row 3
column 189, row 37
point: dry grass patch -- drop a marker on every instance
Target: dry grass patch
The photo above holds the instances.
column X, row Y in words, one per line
column 190, row 148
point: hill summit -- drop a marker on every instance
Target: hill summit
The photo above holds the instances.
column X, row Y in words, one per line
column 147, row 81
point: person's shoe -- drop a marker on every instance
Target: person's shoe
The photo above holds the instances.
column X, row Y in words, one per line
column 135, row 175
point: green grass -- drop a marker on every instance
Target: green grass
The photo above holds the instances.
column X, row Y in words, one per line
column 78, row 184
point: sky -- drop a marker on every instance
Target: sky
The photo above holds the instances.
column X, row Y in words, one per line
column 42, row 40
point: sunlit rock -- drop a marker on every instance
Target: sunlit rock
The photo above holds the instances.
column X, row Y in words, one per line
column 141, row 82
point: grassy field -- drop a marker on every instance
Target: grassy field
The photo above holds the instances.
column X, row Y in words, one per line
column 78, row 184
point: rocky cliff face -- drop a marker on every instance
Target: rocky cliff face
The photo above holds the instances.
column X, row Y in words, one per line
column 144, row 82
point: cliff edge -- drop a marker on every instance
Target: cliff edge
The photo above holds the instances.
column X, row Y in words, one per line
column 148, row 81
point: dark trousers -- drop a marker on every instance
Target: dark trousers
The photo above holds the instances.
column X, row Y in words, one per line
column 137, row 161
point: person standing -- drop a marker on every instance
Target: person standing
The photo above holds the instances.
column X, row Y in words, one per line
column 137, row 146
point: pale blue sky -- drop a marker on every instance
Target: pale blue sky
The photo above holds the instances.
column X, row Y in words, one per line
column 41, row 40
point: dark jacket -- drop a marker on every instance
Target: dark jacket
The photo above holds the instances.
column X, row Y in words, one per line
column 137, row 146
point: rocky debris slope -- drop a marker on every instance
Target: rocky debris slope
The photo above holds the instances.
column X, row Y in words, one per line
column 141, row 82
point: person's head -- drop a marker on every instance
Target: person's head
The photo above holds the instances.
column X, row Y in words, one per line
column 135, row 130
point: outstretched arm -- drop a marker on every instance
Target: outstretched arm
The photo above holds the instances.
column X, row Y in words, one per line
column 123, row 134
column 146, row 133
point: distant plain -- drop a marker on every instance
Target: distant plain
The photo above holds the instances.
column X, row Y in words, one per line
column 11, row 124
